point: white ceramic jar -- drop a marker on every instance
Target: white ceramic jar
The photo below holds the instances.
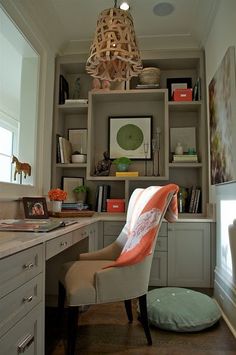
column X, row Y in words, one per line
column 179, row 149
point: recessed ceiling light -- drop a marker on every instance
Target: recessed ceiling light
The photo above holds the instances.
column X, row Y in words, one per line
column 124, row 6
column 163, row 9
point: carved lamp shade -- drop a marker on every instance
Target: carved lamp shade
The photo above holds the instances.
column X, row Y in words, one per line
column 114, row 54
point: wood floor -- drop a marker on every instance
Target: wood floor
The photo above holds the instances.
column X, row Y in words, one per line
column 104, row 329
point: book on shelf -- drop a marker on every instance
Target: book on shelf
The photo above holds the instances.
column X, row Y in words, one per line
column 127, row 173
column 58, row 152
column 197, row 90
column 185, row 158
column 102, row 194
column 76, row 101
column 147, row 86
column 63, row 90
column 105, row 196
column 194, row 199
column 65, row 150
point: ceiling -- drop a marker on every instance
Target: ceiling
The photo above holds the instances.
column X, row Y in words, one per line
column 69, row 25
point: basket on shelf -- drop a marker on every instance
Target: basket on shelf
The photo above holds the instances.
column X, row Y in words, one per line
column 150, row 76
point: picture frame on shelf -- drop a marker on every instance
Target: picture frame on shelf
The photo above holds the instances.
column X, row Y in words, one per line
column 130, row 136
column 68, row 185
column 78, row 139
column 184, row 135
column 35, row 207
column 177, row 83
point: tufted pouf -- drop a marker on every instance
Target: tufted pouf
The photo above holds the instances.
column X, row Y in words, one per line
column 181, row 309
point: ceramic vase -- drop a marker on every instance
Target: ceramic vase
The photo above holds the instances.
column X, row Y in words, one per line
column 56, row 206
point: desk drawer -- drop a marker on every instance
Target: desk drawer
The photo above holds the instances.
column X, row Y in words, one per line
column 57, row 245
column 26, row 337
column 113, row 228
column 19, row 302
column 20, row 268
column 80, row 234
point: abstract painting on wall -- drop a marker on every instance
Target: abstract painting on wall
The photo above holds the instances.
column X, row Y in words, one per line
column 222, row 109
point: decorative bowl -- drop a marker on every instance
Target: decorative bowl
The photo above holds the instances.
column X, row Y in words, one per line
column 78, row 158
column 150, row 75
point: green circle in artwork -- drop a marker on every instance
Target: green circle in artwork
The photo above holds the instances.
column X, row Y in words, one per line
column 129, row 137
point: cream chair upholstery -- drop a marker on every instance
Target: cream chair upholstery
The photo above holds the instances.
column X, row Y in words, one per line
column 90, row 281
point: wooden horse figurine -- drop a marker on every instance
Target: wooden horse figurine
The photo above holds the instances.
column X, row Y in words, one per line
column 21, row 167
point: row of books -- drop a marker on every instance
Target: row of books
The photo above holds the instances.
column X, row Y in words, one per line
column 102, row 194
column 194, row 202
column 189, row 200
column 185, row 158
column 64, row 150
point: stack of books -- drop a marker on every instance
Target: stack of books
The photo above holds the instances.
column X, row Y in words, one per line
column 76, row 101
column 127, row 173
column 185, row 158
column 147, row 86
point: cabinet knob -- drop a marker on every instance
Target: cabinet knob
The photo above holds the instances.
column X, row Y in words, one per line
column 63, row 244
column 27, row 299
column 28, row 266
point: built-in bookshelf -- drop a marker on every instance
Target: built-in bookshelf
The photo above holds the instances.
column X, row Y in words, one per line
column 131, row 102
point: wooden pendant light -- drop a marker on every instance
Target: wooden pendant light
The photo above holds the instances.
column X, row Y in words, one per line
column 114, row 54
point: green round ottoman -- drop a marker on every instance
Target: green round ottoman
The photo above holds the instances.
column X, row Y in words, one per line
column 181, row 309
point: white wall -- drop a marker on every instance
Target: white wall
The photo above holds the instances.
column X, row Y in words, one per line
column 221, row 36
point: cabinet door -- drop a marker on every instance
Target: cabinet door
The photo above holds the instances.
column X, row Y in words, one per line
column 189, row 256
column 158, row 275
column 26, row 337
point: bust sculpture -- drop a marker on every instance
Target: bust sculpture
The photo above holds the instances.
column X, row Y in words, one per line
column 103, row 166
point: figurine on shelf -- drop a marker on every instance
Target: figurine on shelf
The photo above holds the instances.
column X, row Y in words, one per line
column 103, row 166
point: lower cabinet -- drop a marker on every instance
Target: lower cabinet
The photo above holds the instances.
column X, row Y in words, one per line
column 189, row 254
column 183, row 253
column 26, row 337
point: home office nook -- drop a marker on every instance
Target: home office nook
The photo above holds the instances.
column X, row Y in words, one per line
column 173, row 122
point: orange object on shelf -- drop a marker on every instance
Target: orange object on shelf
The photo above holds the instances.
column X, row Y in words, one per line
column 115, row 205
column 182, row 95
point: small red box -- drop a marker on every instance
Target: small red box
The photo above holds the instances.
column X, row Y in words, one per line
column 115, row 205
column 182, row 95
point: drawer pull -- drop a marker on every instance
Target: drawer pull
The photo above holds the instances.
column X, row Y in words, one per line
column 26, row 342
column 27, row 299
column 28, row 266
column 63, row 244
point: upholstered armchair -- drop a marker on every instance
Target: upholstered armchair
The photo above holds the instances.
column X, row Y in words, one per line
column 119, row 272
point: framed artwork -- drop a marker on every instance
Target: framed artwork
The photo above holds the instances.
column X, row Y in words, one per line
column 184, row 135
column 178, row 83
column 130, row 137
column 222, row 111
column 35, row 207
column 68, row 185
column 78, row 140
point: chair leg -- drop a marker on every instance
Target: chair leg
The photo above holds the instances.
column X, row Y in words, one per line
column 73, row 313
column 61, row 301
column 128, row 308
column 144, row 318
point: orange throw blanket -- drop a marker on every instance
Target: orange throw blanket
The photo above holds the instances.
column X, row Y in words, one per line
column 144, row 220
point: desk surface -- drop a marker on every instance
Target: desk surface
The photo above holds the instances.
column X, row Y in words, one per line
column 13, row 242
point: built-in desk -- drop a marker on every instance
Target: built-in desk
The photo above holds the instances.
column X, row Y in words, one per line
column 24, row 258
